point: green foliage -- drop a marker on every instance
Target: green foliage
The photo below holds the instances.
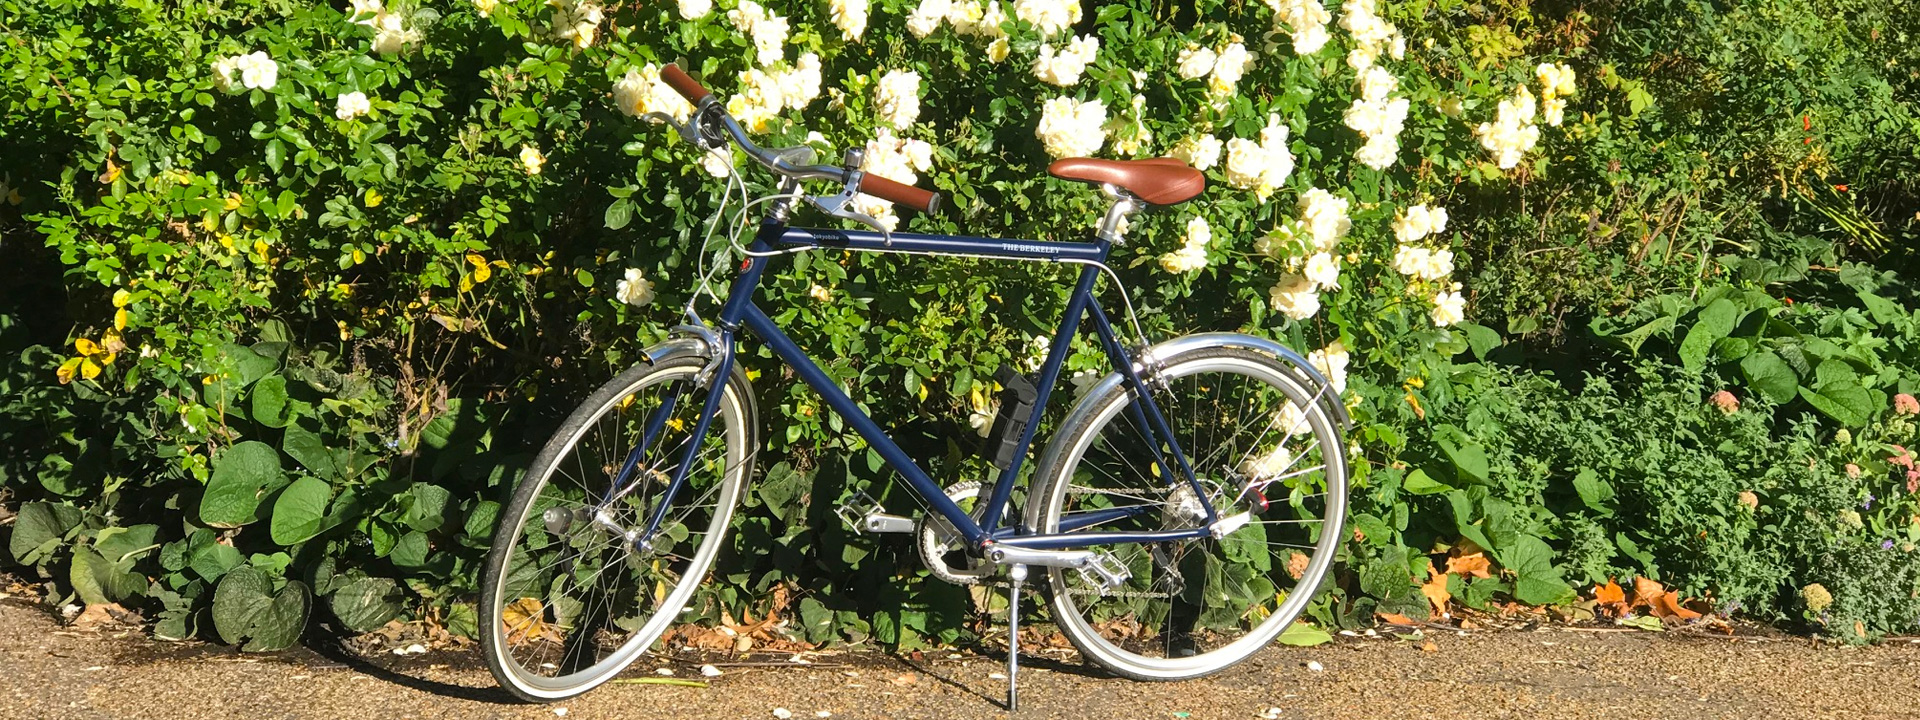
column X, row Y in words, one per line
column 298, row 355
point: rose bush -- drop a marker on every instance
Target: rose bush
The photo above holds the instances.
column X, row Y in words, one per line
column 299, row 286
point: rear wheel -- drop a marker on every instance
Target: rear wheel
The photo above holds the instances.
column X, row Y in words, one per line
column 568, row 599
column 1260, row 445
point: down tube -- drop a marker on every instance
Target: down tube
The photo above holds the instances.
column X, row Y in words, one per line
column 936, row 497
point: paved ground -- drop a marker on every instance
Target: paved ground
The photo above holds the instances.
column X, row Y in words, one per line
column 50, row 672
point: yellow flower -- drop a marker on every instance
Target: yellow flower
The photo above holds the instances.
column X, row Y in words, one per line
column 531, row 159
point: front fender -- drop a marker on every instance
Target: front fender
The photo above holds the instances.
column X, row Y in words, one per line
column 689, row 346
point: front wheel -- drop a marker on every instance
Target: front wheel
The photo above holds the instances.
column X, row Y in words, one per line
column 569, row 597
column 1259, row 443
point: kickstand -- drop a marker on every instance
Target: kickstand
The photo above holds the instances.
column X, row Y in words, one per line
column 1018, row 573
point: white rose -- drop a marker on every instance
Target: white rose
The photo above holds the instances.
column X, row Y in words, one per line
column 1439, row 264
column 634, row 289
column 897, row 98
column 800, row 84
column 351, row 105
column 1064, row 69
column 1311, row 40
column 1332, row 361
column 1246, row 163
column 259, row 71
column 1201, row 151
column 1195, row 62
column 1437, row 218
column 576, row 21
column 1199, row 232
column 486, row 6
column 1554, row 109
column 1324, row 217
column 965, row 16
column 850, row 16
column 1413, row 223
column 1295, row 297
column 223, row 70
column 998, row 50
column 364, row 11
column 1267, row 465
column 927, row 17
column 1397, row 48
column 1231, row 65
column 1376, row 84
column 1069, row 128
column 695, row 9
column 531, row 159
column 1049, row 16
column 1410, row 259
column 1448, row 308
column 1185, row 260
column 1323, row 271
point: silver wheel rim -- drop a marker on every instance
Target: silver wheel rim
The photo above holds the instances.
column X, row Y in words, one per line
column 732, row 414
column 1090, row 641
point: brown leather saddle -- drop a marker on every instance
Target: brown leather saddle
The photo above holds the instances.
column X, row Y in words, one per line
column 1156, row 181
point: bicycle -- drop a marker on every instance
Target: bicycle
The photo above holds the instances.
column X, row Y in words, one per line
column 1174, row 545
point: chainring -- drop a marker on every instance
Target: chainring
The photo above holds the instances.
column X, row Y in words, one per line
column 942, row 549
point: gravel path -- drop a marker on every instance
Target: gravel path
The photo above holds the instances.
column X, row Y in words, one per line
column 50, row 672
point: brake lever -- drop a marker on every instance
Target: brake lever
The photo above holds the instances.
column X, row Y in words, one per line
column 840, row 206
column 689, row 130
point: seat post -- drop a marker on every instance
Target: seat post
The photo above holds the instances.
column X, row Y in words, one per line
column 1124, row 204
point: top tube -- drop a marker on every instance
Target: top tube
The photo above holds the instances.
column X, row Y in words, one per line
column 868, row 240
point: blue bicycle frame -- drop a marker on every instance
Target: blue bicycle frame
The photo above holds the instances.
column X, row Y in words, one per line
column 740, row 312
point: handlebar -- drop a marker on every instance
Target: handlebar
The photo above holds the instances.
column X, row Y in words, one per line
column 708, row 109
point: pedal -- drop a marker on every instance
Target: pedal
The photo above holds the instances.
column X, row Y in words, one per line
column 862, row 514
column 1106, row 571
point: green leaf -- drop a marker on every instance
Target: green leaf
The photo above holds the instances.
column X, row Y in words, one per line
column 1304, row 635
column 1469, row 458
column 300, row 511
column 39, row 529
column 619, row 214
column 98, row 580
column 1419, row 482
column 1882, row 310
column 245, row 609
column 212, row 560
column 280, row 625
column 429, row 507
column 365, row 604
column 1634, row 339
column 1845, row 402
column 583, row 277
column 128, row 545
column 480, row 523
column 242, row 595
column 240, row 475
column 1594, row 491
column 276, row 154
column 1480, row 338
column 1770, row 376
column 270, row 402
column 410, row 551
column 1715, row 322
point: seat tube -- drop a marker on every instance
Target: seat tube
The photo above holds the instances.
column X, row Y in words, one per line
column 1049, row 373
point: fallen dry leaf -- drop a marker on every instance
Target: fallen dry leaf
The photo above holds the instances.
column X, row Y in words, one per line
column 1429, row 647
column 1469, row 565
column 1610, row 597
column 1394, row 619
column 1668, row 605
column 1436, row 589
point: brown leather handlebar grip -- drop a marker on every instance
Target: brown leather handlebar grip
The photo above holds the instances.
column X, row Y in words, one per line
column 688, row 88
column 925, row 201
